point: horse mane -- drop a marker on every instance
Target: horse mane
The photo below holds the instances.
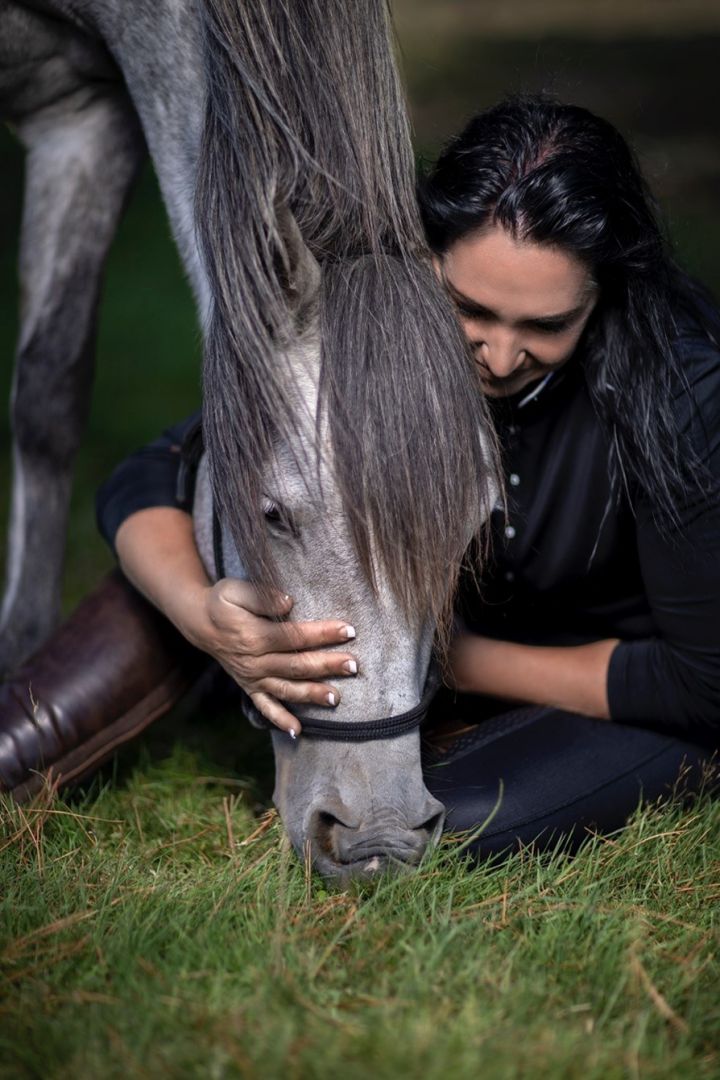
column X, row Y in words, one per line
column 305, row 114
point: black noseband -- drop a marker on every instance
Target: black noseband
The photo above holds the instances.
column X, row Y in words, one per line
column 337, row 731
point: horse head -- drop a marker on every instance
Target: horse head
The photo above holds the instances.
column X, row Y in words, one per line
column 350, row 789
column 339, row 391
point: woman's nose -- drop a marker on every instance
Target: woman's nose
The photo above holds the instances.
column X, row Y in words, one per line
column 501, row 353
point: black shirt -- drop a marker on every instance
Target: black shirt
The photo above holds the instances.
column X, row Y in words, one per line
column 571, row 563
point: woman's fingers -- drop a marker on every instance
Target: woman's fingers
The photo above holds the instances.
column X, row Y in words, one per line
column 233, row 610
column 267, row 703
column 270, row 637
column 266, row 700
column 273, row 711
column 244, row 595
column 305, row 666
column 302, row 692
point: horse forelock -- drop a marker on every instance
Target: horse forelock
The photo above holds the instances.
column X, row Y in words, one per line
column 413, row 456
column 385, row 417
column 305, row 111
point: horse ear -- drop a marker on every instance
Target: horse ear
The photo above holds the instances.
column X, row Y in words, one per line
column 300, row 269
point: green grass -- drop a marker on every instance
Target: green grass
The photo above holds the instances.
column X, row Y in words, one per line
column 159, row 926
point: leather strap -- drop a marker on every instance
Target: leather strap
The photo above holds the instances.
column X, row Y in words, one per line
column 390, row 727
column 387, row 728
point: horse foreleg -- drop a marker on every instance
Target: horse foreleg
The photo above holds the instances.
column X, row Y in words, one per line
column 83, row 153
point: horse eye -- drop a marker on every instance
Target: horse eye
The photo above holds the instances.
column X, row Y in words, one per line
column 272, row 512
column 278, row 517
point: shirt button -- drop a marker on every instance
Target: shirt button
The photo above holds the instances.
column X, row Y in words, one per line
column 510, row 531
column 512, row 430
column 509, row 576
column 514, row 479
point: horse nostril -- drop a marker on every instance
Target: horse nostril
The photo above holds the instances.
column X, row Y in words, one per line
column 433, row 825
column 325, row 834
column 326, row 820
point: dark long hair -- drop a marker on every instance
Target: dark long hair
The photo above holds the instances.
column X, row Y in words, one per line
column 557, row 174
column 306, row 145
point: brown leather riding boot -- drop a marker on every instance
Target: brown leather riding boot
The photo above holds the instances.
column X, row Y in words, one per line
column 111, row 669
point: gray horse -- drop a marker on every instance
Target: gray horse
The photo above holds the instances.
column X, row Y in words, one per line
column 342, row 412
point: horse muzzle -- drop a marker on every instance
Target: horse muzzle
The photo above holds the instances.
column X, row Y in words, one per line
column 344, row 850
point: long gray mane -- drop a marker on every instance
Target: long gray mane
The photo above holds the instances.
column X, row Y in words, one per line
column 306, row 115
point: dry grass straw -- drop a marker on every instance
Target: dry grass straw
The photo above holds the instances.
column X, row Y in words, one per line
column 162, row 928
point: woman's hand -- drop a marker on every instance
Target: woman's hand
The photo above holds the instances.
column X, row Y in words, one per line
column 272, row 661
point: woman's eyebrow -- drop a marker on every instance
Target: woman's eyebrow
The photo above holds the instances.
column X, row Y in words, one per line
column 469, row 305
column 561, row 317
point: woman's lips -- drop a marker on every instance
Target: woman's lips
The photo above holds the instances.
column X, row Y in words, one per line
column 518, row 378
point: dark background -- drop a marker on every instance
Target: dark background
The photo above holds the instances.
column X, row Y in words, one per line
column 650, row 66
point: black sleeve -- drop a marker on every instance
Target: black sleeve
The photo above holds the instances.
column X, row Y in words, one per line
column 155, row 475
column 673, row 681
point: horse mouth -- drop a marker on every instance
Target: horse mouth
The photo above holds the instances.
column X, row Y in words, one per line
column 358, row 871
column 343, row 852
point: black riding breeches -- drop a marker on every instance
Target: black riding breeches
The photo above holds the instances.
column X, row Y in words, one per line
column 533, row 775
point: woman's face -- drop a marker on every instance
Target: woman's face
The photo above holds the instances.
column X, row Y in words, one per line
column 523, row 305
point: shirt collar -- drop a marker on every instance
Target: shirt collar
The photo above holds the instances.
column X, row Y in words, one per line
column 535, row 400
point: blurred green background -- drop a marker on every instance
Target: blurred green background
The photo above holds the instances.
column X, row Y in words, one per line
column 653, row 68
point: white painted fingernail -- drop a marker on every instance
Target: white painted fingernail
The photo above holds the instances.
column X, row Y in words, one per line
column 349, row 632
column 350, row 666
column 331, row 699
column 292, row 733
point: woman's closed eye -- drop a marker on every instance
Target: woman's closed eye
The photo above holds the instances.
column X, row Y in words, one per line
column 543, row 326
column 558, row 327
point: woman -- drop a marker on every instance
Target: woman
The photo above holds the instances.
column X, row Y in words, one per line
column 602, row 601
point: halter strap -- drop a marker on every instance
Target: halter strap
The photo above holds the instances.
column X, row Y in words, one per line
column 363, row 731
